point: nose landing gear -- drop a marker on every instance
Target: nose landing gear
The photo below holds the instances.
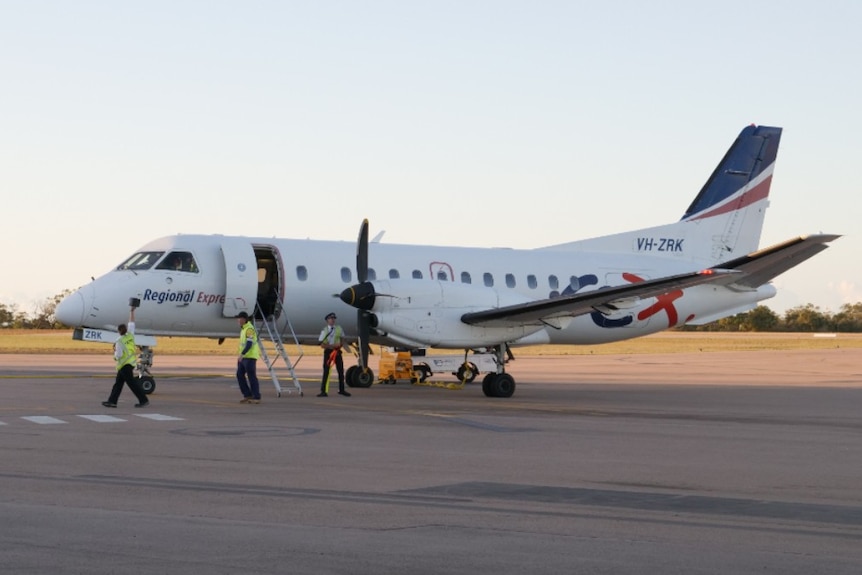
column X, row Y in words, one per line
column 145, row 362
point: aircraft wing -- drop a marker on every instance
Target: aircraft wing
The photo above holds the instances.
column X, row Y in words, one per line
column 761, row 266
column 544, row 312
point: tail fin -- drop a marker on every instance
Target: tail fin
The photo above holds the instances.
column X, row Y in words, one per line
column 724, row 220
column 752, row 153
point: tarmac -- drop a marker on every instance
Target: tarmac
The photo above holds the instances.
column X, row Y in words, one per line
column 747, row 462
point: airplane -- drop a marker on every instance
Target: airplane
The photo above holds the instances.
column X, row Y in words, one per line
column 696, row 270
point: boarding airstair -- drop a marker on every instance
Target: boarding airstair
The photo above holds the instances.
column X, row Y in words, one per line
column 270, row 340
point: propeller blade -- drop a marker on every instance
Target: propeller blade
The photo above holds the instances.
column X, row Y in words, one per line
column 362, row 318
column 362, row 252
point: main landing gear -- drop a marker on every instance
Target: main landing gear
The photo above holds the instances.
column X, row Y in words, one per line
column 357, row 376
column 499, row 384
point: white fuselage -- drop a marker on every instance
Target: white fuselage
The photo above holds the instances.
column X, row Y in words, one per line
column 306, row 276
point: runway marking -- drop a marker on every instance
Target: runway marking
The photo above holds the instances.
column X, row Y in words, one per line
column 98, row 418
column 44, row 419
column 102, row 418
column 159, row 417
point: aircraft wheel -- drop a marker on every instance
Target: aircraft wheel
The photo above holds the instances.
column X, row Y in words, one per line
column 361, row 378
column 498, row 385
column 349, row 375
column 487, row 384
column 467, row 372
column 422, row 372
column 148, row 384
column 504, row 385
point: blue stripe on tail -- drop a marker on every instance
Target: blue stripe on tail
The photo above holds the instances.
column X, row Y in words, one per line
column 753, row 151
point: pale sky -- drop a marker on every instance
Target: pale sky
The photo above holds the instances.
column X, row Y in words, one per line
column 480, row 123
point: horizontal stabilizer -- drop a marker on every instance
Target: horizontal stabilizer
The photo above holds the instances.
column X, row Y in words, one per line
column 763, row 265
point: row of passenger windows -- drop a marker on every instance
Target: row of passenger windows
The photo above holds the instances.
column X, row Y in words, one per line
column 442, row 275
column 185, row 262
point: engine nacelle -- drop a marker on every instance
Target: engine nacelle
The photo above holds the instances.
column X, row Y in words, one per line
column 428, row 312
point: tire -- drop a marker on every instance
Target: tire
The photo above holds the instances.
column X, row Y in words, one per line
column 348, row 376
column 148, row 384
column 423, row 370
column 504, row 385
column 488, row 383
column 362, row 378
column 467, row 372
column 498, row 385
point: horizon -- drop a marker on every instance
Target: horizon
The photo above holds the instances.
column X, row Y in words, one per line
column 448, row 124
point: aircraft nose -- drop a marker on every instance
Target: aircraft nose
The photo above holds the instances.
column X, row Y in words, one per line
column 70, row 311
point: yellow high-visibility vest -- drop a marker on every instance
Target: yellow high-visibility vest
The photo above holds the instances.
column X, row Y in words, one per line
column 247, row 332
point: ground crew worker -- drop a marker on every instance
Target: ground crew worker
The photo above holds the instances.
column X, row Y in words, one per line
column 126, row 355
column 246, row 364
column 330, row 340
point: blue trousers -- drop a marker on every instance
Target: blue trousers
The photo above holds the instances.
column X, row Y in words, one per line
column 249, row 387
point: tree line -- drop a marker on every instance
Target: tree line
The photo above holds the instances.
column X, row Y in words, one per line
column 804, row 318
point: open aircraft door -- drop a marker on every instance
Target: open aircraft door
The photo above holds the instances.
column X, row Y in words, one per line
column 240, row 267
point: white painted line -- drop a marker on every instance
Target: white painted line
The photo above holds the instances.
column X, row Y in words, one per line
column 3, row 423
column 43, row 419
column 159, row 417
column 102, row 418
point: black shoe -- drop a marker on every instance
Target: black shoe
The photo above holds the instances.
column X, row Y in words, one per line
column 144, row 404
column 109, row 404
column 344, row 393
column 322, row 394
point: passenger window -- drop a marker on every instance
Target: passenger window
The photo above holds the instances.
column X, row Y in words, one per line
column 178, row 262
column 553, row 282
column 417, row 275
column 346, row 275
column 372, row 275
column 442, row 276
column 465, row 278
column 531, row 281
column 301, row 273
column 489, row 279
column 393, row 274
column 510, row 280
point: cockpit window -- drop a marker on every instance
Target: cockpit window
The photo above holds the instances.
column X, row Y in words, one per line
column 140, row 261
column 178, row 262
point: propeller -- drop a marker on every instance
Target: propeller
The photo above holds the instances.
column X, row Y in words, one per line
column 362, row 252
column 363, row 318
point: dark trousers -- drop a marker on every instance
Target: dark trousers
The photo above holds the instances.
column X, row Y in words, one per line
column 328, row 360
column 126, row 374
column 251, row 387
